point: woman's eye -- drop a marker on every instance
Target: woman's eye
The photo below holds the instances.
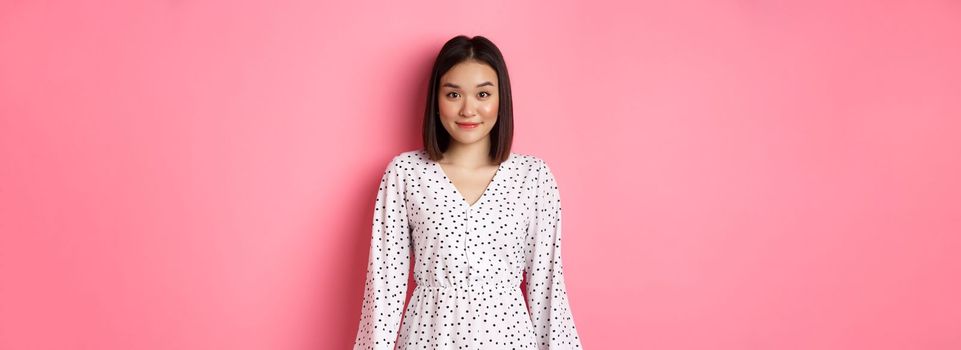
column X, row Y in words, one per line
column 452, row 94
column 485, row 93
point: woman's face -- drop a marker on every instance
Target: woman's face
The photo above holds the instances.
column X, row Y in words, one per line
column 468, row 101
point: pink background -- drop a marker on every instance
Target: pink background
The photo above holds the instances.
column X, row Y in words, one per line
column 735, row 174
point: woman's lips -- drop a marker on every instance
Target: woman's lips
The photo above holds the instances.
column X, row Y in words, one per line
column 467, row 125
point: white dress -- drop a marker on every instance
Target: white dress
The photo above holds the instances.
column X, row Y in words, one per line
column 469, row 260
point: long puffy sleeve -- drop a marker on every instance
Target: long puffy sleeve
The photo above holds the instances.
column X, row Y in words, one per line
column 546, row 292
column 388, row 265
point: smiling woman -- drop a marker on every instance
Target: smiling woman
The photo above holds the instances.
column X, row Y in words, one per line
column 469, row 85
column 469, row 106
column 477, row 219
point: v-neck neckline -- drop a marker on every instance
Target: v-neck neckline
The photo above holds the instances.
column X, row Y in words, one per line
column 483, row 196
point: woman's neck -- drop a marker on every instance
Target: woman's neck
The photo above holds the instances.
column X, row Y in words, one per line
column 473, row 155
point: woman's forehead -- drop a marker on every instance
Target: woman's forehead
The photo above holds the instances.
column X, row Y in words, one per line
column 468, row 72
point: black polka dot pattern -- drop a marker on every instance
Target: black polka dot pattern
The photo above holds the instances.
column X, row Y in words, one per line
column 469, row 260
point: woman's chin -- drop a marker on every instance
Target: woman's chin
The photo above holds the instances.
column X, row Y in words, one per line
column 468, row 139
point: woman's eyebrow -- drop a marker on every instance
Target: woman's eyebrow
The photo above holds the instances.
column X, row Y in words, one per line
column 458, row 87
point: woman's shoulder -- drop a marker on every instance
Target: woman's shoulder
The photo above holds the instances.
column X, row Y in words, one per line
column 408, row 159
column 413, row 153
column 409, row 155
column 528, row 161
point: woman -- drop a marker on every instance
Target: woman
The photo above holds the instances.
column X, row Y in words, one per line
column 476, row 217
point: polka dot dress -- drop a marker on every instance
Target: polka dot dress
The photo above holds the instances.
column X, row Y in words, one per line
column 469, row 261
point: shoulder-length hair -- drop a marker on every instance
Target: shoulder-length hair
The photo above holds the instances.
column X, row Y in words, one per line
column 457, row 50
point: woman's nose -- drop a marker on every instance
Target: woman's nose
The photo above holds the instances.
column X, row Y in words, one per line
column 467, row 109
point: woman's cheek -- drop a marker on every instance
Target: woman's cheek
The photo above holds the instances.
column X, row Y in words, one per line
column 490, row 108
column 447, row 110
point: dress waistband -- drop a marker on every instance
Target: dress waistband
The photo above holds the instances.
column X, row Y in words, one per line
column 483, row 284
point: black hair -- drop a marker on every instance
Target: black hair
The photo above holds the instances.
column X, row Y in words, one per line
column 456, row 50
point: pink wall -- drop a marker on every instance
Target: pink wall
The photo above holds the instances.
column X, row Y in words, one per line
column 736, row 174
